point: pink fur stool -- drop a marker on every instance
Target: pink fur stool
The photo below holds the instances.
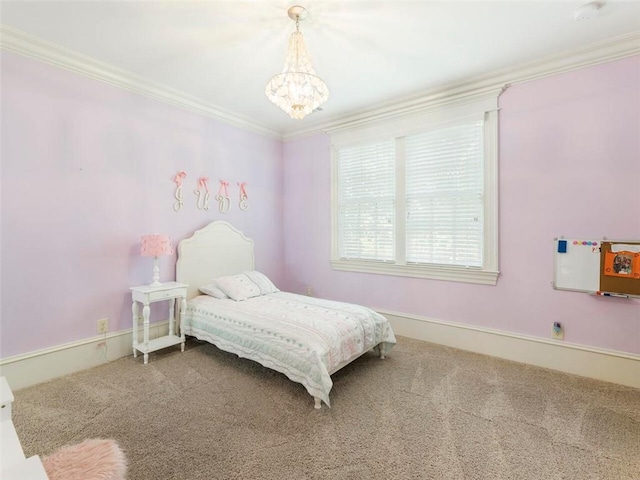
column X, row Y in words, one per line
column 92, row 459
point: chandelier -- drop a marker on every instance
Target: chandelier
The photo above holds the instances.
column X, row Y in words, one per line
column 297, row 90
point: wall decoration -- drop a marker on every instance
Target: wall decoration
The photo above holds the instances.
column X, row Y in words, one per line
column 203, row 196
column 178, row 195
column 244, row 198
column 224, row 202
column 623, row 261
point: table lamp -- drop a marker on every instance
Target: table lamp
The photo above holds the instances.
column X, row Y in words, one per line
column 155, row 246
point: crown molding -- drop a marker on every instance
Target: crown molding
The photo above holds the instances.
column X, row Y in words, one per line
column 15, row 41
column 482, row 85
column 446, row 98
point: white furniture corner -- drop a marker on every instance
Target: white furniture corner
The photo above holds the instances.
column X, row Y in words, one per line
column 145, row 295
column 13, row 464
column 6, row 400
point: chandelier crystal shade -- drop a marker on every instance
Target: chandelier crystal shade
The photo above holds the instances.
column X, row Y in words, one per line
column 297, row 90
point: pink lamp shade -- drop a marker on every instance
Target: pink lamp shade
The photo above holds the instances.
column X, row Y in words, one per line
column 156, row 246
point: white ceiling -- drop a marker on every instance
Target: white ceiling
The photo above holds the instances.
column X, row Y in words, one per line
column 368, row 52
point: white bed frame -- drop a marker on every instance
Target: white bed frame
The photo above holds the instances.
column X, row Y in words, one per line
column 216, row 250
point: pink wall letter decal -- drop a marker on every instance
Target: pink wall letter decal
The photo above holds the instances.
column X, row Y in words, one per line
column 223, row 197
column 178, row 195
column 243, row 196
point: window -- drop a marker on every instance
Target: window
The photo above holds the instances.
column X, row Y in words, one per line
column 419, row 197
column 367, row 201
column 443, row 197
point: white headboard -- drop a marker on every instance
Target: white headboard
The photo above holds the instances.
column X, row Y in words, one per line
column 213, row 251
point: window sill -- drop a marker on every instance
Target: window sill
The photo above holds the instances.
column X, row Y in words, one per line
column 450, row 274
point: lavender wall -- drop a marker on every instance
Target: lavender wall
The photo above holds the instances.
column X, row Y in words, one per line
column 569, row 165
column 86, row 170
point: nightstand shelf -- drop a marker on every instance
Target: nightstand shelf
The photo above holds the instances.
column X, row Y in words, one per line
column 147, row 294
column 158, row 343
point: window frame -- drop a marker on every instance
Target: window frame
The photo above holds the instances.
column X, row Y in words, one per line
column 452, row 111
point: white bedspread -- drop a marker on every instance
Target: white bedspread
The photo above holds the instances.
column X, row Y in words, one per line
column 304, row 338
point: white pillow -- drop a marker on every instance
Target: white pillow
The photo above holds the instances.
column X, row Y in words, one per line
column 213, row 290
column 262, row 281
column 238, row 287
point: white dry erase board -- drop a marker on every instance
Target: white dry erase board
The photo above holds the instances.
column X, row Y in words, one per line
column 577, row 264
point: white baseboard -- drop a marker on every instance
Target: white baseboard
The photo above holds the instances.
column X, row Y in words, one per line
column 39, row 366
column 607, row 365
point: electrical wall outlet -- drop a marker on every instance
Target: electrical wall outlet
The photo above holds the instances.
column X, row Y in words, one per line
column 309, row 292
column 557, row 331
column 103, row 326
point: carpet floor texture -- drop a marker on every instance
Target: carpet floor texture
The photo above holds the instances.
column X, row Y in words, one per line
column 425, row 412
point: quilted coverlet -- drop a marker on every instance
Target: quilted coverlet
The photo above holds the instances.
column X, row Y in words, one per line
column 304, row 338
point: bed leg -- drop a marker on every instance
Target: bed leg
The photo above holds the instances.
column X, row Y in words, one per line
column 317, row 403
column 381, row 350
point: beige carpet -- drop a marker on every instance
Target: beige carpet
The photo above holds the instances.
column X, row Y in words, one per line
column 426, row 412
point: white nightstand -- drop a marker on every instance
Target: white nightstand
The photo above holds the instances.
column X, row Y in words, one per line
column 146, row 294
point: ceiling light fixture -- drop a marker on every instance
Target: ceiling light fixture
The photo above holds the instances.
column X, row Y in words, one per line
column 297, row 90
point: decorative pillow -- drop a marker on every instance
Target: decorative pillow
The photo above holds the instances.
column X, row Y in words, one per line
column 262, row 281
column 213, row 290
column 238, row 287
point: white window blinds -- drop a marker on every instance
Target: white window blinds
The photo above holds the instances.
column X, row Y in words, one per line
column 444, row 195
column 366, row 202
column 417, row 195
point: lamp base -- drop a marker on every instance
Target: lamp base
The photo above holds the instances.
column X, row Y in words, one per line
column 156, row 274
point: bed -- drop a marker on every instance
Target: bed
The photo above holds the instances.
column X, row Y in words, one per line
column 305, row 338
